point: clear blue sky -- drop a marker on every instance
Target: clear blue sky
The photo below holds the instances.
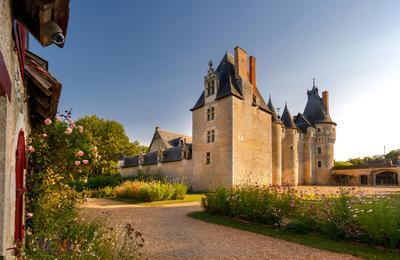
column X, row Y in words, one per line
column 142, row 62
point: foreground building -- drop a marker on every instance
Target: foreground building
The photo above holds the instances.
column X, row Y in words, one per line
column 238, row 138
column 28, row 94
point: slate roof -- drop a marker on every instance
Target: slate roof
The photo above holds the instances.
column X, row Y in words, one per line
column 150, row 158
column 171, row 139
column 287, row 118
column 302, row 123
column 131, row 161
column 173, row 154
column 314, row 110
column 228, row 85
column 273, row 111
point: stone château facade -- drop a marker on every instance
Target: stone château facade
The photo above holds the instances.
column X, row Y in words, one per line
column 238, row 138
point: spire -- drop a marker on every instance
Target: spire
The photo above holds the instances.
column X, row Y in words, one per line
column 210, row 64
column 272, row 108
column 313, row 83
column 287, row 118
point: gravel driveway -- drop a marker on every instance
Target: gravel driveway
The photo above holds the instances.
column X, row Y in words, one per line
column 170, row 234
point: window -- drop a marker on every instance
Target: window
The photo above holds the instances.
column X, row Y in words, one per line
column 319, row 150
column 210, row 88
column 291, row 148
column 208, row 158
column 364, row 179
column 210, row 114
column 318, row 129
column 211, row 136
column 319, row 164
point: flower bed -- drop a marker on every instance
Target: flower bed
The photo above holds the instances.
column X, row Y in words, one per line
column 343, row 215
column 151, row 191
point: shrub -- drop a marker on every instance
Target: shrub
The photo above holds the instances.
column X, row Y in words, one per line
column 344, row 215
column 146, row 176
column 101, row 181
column 150, row 191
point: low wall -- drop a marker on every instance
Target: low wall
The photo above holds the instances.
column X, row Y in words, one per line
column 174, row 170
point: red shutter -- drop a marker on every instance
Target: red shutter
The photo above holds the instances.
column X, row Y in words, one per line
column 5, row 82
column 19, row 185
column 20, row 42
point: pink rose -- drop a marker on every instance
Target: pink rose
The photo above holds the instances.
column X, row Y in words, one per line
column 44, row 135
column 94, row 149
column 47, row 121
column 68, row 131
column 77, row 163
column 79, row 154
column 80, row 128
column 85, row 161
column 31, row 149
column 58, row 118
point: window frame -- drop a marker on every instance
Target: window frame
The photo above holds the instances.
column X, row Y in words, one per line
column 208, row 158
column 319, row 164
column 210, row 113
column 211, row 136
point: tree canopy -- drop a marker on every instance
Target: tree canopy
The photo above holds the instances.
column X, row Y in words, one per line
column 111, row 140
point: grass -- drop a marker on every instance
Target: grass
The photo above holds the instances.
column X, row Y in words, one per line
column 310, row 239
column 188, row 198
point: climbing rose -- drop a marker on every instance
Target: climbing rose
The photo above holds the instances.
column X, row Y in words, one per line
column 79, row 154
column 47, row 121
column 44, row 135
column 29, row 215
column 58, row 118
column 80, row 128
column 85, row 161
column 68, row 131
column 77, row 163
column 94, row 149
column 31, row 149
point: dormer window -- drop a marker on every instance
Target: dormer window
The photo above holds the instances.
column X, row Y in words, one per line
column 210, row 88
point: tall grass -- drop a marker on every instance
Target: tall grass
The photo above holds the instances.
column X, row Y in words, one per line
column 343, row 215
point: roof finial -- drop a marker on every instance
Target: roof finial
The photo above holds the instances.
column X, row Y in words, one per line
column 210, row 64
column 313, row 83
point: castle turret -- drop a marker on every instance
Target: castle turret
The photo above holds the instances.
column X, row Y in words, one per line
column 276, row 145
column 289, row 150
column 317, row 113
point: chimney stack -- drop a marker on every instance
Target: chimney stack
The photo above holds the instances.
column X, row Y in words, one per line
column 325, row 100
column 241, row 63
column 252, row 70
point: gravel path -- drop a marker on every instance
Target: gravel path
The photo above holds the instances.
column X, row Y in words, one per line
column 170, row 234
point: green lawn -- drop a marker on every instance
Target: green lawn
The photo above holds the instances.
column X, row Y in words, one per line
column 311, row 240
column 188, row 198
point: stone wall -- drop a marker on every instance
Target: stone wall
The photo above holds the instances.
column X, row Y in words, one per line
column 325, row 139
column 175, row 170
column 219, row 172
column 13, row 118
column 276, row 153
column 252, row 141
column 290, row 168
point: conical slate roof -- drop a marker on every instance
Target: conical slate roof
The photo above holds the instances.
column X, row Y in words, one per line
column 315, row 111
column 287, row 118
column 273, row 111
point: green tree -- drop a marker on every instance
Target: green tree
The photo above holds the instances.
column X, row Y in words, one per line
column 111, row 141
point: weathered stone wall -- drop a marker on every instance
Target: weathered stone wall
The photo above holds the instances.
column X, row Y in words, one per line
column 175, row 170
column 290, row 164
column 219, row 172
column 307, row 156
column 157, row 144
column 277, row 153
column 13, row 118
column 325, row 138
column 252, row 141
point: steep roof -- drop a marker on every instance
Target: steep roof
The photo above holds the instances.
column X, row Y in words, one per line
column 171, row 139
column 273, row 111
column 315, row 111
column 228, row 85
column 227, row 82
column 287, row 118
column 302, row 123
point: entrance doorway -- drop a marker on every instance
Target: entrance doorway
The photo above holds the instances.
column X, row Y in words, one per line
column 386, row 178
column 19, row 184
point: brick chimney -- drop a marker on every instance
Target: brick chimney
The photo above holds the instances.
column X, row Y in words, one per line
column 252, row 70
column 241, row 63
column 325, row 100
